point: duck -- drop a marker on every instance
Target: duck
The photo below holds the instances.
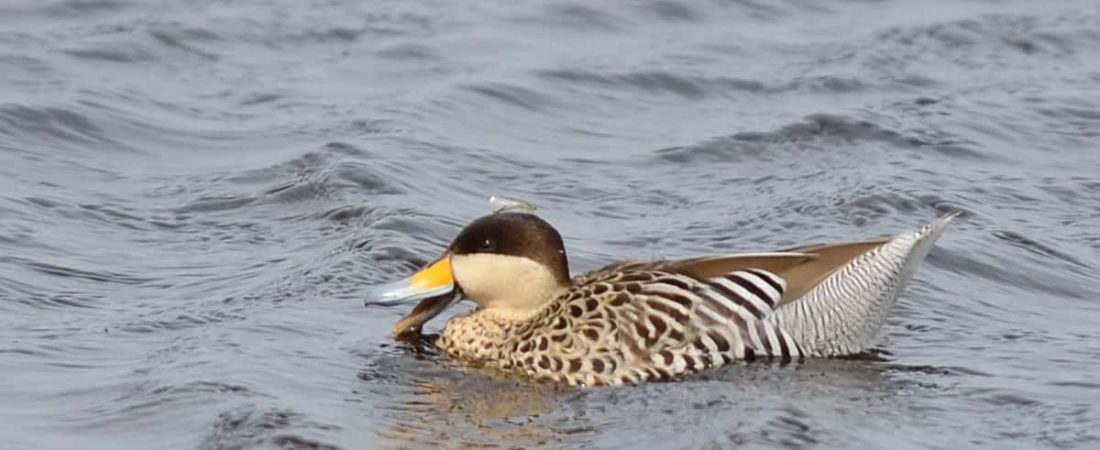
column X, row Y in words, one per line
column 636, row 321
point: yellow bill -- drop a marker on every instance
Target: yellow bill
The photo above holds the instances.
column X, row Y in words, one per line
column 431, row 281
column 434, row 286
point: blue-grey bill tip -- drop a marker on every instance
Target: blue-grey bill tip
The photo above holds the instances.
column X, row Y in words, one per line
column 398, row 293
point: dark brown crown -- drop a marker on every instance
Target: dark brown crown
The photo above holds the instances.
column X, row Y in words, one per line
column 515, row 234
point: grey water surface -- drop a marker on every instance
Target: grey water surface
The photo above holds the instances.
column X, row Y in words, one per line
column 193, row 195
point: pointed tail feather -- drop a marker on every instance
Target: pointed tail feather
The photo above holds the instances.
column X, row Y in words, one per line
column 842, row 314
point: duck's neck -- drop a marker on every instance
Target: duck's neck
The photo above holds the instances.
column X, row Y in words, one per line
column 515, row 313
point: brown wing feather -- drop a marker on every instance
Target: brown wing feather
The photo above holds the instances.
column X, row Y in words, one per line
column 803, row 277
column 716, row 266
column 801, row 267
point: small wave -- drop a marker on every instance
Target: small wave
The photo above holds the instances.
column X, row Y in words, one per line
column 674, row 11
column 315, row 180
column 81, row 9
column 1035, row 246
column 49, row 122
column 64, row 300
column 101, row 276
column 187, row 39
column 991, row 42
column 211, row 203
column 1006, row 270
column 515, row 96
column 250, row 427
column 698, row 87
column 408, row 52
column 176, row 319
column 691, row 87
column 346, row 214
column 575, row 16
column 29, row 73
column 115, row 52
column 819, row 130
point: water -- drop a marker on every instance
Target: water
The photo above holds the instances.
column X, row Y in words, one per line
column 193, row 195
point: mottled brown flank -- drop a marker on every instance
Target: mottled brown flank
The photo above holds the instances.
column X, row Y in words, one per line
column 684, row 302
column 560, row 323
column 666, row 357
column 659, row 325
column 673, row 313
column 680, row 284
column 591, row 334
column 590, row 304
column 675, row 335
column 611, row 329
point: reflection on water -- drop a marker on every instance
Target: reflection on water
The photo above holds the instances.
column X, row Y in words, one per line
column 473, row 414
column 429, row 401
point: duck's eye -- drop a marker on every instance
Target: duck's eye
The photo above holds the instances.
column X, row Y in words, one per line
column 486, row 245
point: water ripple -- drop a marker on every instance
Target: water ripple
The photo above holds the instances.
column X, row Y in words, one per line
column 193, row 195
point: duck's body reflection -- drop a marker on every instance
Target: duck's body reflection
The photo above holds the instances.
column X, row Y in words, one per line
column 442, row 403
column 427, row 401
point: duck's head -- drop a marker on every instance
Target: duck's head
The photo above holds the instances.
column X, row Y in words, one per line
column 509, row 263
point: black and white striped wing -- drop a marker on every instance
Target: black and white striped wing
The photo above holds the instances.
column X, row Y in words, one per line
column 688, row 324
column 740, row 301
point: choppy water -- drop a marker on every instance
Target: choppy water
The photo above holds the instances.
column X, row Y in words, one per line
column 193, row 194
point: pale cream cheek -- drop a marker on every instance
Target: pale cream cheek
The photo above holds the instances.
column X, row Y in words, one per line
column 504, row 282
